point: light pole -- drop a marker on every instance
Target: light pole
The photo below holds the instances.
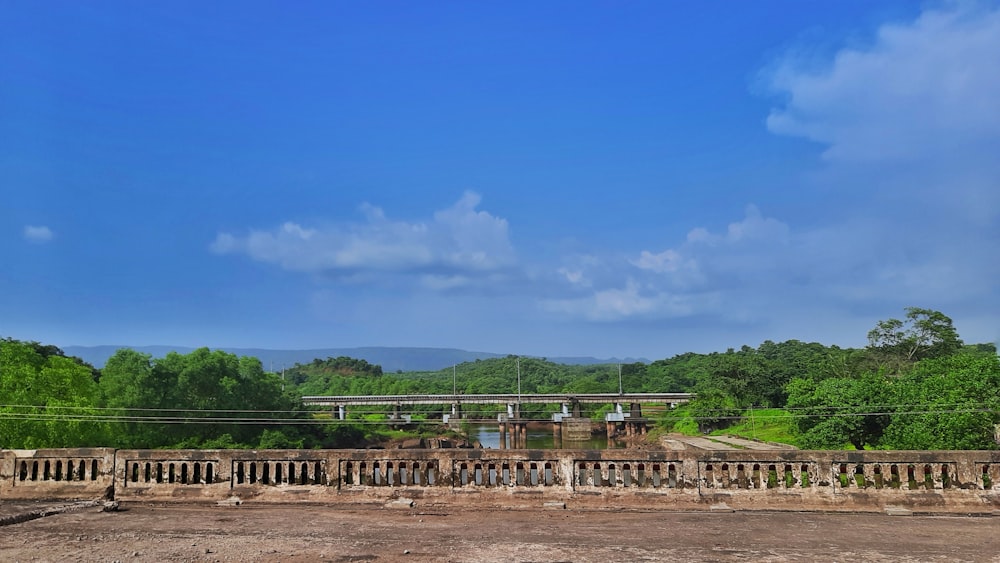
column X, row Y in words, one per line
column 454, row 379
column 620, row 392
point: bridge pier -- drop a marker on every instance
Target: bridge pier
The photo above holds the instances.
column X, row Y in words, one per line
column 636, row 425
column 503, row 432
column 519, row 435
column 396, row 417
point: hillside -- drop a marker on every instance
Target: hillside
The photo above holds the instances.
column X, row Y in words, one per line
column 392, row 359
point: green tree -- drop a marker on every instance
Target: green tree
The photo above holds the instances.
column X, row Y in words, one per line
column 840, row 411
column 131, row 387
column 947, row 403
column 898, row 344
column 713, row 408
column 49, row 401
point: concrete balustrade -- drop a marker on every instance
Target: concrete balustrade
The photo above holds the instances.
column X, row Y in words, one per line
column 56, row 473
column 961, row 481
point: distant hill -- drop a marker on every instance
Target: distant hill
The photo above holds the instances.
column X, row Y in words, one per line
column 391, row 359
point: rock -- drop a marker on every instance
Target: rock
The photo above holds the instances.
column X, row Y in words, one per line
column 412, row 444
column 401, row 502
column 553, row 505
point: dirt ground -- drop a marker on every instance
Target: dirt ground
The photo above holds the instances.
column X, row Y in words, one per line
column 369, row 533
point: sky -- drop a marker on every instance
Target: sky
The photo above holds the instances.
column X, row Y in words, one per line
column 580, row 178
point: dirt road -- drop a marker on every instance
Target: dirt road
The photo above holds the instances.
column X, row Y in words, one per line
column 352, row 533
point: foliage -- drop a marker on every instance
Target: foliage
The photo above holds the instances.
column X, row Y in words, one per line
column 916, row 385
column 767, row 425
column 947, row 403
column 191, row 397
column 330, row 368
column 679, row 420
column 897, row 344
column 840, row 410
column 713, row 409
column 929, row 391
column 48, row 401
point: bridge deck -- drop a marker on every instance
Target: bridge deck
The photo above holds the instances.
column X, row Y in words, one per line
column 500, row 399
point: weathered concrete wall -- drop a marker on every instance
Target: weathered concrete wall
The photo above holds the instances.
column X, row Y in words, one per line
column 942, row 481
column 57, row 473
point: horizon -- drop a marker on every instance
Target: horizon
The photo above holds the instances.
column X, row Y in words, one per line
column 564, row 180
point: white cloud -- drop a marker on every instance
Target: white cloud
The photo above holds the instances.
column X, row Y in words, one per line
column 38, row 234
column 459, row 239
column 921, row 88
column 574, row 277
column 680, row 281
column 666, row 261
column 615, row 304
column 908, row 195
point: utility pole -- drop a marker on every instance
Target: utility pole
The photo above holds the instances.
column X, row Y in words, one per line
column 454, row 379
column 620, row 392
column 518, row 381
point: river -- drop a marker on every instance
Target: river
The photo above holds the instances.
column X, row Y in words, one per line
column 538, row 438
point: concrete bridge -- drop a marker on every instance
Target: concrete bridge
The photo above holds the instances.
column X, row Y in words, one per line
column 568, row 424
column 500, row 399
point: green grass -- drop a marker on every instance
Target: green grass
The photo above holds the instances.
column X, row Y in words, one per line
column 677, row 420
column 768, row 425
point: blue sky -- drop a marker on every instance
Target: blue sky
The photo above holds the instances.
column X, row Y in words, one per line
column 557, row 178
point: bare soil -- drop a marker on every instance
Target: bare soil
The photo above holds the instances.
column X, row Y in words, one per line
column 149, row 532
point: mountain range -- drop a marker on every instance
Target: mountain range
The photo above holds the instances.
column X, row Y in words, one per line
column 391, row 359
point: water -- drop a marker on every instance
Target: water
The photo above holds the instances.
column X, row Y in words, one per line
column 538, row 438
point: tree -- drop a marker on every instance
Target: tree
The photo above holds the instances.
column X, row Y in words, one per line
column 897, row 345
column 840, row 411
column 947, row 403
column 49, row 401
column 133, row 387
column 714, row 408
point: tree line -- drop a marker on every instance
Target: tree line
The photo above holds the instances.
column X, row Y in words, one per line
column 205, row 399
column 916, row 385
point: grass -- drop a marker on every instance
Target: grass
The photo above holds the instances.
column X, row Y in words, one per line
column 768, row 425
column 677, row 420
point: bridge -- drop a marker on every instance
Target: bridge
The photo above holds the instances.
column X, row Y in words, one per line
column 499, row 399
column 628, row 410
column 570, row 402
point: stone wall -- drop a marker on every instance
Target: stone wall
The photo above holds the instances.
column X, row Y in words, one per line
column 940, row 481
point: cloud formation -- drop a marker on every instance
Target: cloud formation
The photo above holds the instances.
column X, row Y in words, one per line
column 922, row 88
column 457, row 244
column 911, row 125
column 685, row 280
column 38, row 234
column 910, row 128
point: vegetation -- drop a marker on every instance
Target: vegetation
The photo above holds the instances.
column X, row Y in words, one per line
column 915, row 386
column 766, row 425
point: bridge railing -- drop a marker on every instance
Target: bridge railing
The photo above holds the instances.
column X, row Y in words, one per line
column 834, row 480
